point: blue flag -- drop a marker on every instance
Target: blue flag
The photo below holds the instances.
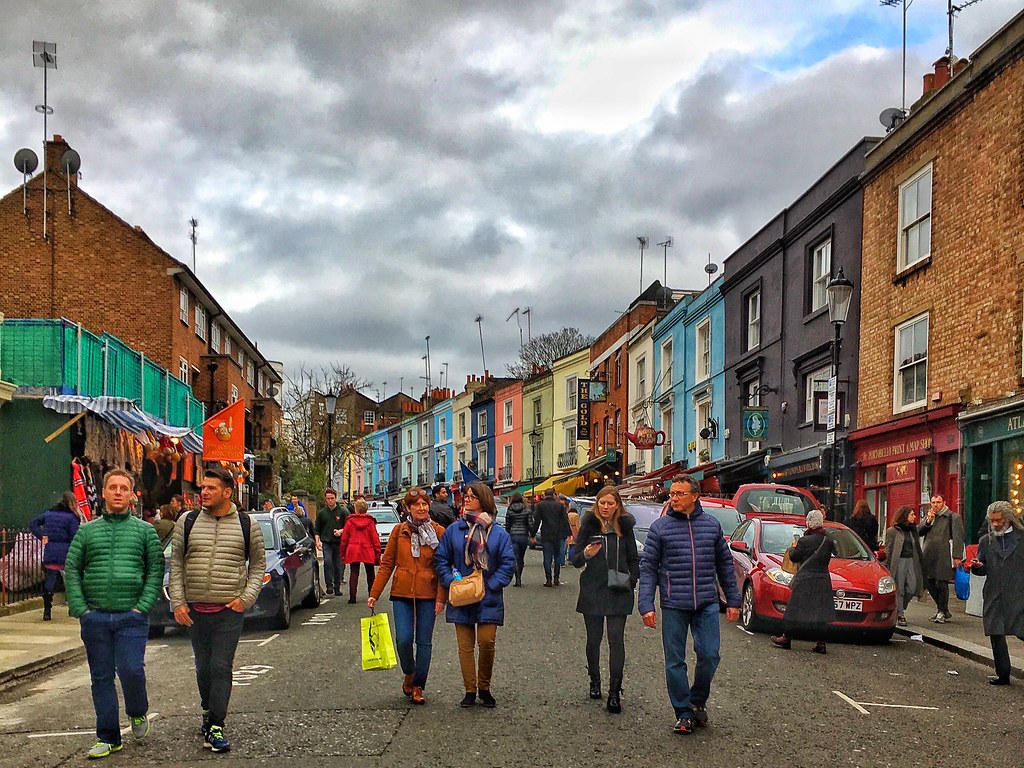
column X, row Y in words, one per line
column 468, row 475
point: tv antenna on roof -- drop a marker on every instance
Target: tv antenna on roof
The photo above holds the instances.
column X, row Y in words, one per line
column 951, row 12
column 44, row 55
column 665, row 245
column 192, row 236
column 479, row 320
column 515, row 314
column 906, row 4
column 643, row 244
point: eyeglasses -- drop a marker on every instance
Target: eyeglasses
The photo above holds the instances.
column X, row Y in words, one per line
column 677, row 494
column 417, row 492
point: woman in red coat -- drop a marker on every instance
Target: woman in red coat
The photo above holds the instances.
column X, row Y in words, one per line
column 360, row 544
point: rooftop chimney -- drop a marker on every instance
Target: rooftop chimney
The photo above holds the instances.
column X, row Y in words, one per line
column 934, row 80
column 54, row 150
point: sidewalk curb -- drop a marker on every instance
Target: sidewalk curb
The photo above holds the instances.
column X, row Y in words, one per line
column 968, row 650
column 12, row 677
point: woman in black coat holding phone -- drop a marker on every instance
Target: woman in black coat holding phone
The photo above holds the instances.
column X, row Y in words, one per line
column 606, row 550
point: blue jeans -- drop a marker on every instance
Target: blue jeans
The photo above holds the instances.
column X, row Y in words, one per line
column 552, row 557
column 704, row 627
column 414, row 619
column 116, row 642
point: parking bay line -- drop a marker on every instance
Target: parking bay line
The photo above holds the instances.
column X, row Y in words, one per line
column 124, row 731
column 859, row 706
column 264, row 641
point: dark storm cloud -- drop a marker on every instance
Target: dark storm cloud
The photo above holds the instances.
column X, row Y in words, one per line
column 368, row 173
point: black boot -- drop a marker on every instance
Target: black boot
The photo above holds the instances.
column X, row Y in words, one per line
column 47, row 606
column 595, row 686
column 614, row 689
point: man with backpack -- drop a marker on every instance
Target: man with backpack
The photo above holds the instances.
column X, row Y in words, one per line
column 217, row 567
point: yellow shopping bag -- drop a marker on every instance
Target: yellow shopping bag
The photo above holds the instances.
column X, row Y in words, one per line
column 378, row 648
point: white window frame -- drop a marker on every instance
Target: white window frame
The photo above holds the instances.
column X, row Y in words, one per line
column 508, row 415
column 900, row 367
column 571, row 385
column 261, row 383
column 408, row 469
column 507, row 458
column 641, row 379
column 227, row 344
column 666, row 364
column 424, row 430
column 753, row 399
column 250, row 373
column 183, row 305
column 481, row 460
column 754, row 319
column 702, row 350
column 201, row 317
column 408, row 439
column 368, row 418
column 702, row 410
column 821, row 274
column 462, row 425
column 215, row 336
column 537, row 412
column 183, row 369
column 666, row 427
column 442, row 429
column 234, row 393
column 913, row 222
column 241, row 358
column 481, row 424
column 569, row 433
column 821, row 376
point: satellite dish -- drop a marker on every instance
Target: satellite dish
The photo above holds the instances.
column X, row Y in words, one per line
column 26, row 161
column 891, row 117
column 710, row 268
column 71, row 161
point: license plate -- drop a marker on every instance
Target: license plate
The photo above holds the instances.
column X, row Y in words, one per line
column 849, row 605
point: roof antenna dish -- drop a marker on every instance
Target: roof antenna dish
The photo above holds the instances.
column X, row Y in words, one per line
column 892, row 117
column 710, row 268
column 70, row 161
column 26, row 161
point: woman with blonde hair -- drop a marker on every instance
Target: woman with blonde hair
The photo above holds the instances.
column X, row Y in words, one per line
column 474, row 543
column 606, row 551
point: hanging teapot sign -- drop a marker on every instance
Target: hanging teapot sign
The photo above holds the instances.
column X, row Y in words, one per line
column 646, row 437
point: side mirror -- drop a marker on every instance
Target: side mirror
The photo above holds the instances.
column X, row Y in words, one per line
column 289, row 545
column 739, row 546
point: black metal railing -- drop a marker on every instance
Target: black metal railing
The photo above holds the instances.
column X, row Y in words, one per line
column 392, row 486
column 567, row 459
column 423, row 478
column 457, row 477
column 505, row 473
column 406, row 482
column 21, row 565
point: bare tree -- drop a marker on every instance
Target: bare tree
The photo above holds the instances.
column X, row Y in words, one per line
column 546, row 348
column 306, row 411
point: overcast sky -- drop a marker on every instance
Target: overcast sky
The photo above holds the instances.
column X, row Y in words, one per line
column 371, row 172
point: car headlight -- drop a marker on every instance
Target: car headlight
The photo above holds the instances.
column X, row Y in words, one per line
column 886, row 584
column 779, row 576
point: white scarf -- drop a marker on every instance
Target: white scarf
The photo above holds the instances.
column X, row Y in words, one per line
column 423, row 535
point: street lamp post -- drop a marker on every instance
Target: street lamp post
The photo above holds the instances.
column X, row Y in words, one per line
column 839, row 295
column 330, row 403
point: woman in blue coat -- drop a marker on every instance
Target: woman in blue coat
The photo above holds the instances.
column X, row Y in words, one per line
column 56, row 527
column 473, row 543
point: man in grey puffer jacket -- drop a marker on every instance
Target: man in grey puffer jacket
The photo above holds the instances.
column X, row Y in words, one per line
column 684, row 553
column 214, row 580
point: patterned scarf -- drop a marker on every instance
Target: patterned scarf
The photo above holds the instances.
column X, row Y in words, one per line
column 423, row 535
column 476, row 542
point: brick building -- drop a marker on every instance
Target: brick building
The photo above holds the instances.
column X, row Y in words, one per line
column 941, row 326
column 96, row 269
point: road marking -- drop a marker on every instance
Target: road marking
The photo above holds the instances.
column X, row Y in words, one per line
column 241, row 675
column 262, row 641
column 88, row 732
column 741, row 629
column 319, row 619
column 851, row 702
column 859, row 706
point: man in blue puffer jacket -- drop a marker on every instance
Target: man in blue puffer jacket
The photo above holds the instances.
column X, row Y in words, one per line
column 684, row 552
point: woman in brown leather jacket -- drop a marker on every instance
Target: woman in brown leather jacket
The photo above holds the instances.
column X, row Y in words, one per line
column 416, row 595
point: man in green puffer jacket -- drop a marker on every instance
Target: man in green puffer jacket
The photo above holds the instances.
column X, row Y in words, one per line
column 113, row 575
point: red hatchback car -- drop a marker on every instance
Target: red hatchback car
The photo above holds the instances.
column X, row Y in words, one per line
column 864, row 591
column 759, row 499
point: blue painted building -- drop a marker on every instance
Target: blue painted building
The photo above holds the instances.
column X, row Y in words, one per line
column 443, row 439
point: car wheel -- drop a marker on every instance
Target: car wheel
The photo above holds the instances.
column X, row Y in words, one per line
column 748, row 614
column 312, row 600
column 157, row 631
column 283, row 619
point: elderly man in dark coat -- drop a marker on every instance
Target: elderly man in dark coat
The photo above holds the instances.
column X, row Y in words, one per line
column 811, row 607
column 943, row 551
column 1001, row 560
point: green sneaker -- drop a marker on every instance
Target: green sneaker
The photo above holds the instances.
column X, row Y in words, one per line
column 140, row 727
column 102, row 749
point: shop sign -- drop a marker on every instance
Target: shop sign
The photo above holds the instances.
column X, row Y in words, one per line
column 901, row 471
column 917, row 445
column 996, row 428
column 812, row 467
column 755, row 424
column 583, row 409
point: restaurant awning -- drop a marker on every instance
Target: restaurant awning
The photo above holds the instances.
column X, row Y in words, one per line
column 125, row 414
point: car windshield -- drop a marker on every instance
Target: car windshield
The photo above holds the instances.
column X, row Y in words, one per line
column 728, row 517
column 778, row 501
column 776, row 538
column 267, row 526
column 384, row 514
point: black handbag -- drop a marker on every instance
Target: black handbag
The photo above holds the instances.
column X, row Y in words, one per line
column 617, row 579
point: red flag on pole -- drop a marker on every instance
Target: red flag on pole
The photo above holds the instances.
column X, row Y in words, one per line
column 224, row 434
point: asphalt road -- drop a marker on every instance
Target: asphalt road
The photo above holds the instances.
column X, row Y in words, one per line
column 302, row 695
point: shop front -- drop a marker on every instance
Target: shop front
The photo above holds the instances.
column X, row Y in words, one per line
column 809, row 468
column 907, row 461
column 993, row 436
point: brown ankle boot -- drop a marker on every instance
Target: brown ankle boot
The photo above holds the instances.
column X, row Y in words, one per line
column 407, row 688
column 417, row 696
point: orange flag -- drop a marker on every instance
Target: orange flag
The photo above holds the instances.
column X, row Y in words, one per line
column 224, row 434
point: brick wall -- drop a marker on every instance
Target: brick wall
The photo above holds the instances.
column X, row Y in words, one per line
column 972, row 287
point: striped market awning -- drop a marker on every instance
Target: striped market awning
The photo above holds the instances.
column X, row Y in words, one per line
column 125, row 414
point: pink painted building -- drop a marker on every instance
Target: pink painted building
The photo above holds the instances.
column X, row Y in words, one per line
column 508, row 435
